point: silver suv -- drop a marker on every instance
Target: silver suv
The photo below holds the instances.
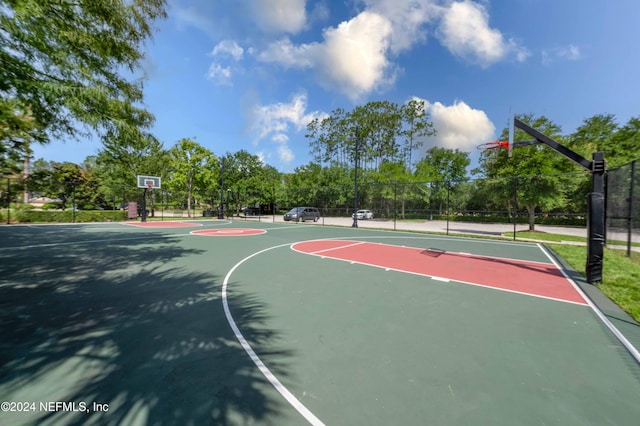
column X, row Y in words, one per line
column 301, row 214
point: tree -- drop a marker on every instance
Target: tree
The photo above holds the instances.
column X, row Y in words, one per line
column 63, row 64
column 336, row 186
column 393, row 181
column 626, row 143
column 193, row 169
column 65, row 179
column 602, row 133
column 304, row 185
column 417, row 127
column 328, row 138
column 534, row 170
column 445, row 169
column 17, row 129
column 377, row 126
column 121, row 160
column 89, row 194
column 248, row 180
column 595, row 134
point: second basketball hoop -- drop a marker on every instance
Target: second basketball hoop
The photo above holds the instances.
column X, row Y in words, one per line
column 494, row 145
column 149, row 182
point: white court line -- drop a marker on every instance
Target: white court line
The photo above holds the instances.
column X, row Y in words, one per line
column 436, row 278
column 478, row 256
column 426, row 236
column 333, row 248
column 632, row 349
column 291, row 399
column 161, row 224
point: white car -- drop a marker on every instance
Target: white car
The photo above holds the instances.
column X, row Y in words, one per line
column 363, row 215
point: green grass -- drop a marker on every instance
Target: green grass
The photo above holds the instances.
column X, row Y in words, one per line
column 543, row 236
column 620, row 274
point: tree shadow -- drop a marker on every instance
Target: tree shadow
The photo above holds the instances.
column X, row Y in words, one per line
column 537, row 267
column 476, row 231
column 123, row 324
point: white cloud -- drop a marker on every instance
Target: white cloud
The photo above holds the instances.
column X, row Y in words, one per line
column 285, row 154
column 220, row 75
column 288, row 16
column 352, row 58
column 261, row 157
column 354, row 55
column 464, row 30
column 569, row 53
column 320, row 12
column 192, row 17
column 408, row 19
column 275, row 121
column 458, row 126
column 285, row 53
column 228, row 48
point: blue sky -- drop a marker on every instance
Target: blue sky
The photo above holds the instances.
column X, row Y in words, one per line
column 250, row 74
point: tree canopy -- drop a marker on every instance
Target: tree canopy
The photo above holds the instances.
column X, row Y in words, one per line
column 67, row 68
column 382, row 130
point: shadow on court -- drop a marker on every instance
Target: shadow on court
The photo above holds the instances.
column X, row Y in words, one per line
column 121, row 324
column 436, row 253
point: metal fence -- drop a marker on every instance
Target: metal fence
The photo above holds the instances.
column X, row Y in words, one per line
column 542, row 199
column 623, row 206
column 559, row 199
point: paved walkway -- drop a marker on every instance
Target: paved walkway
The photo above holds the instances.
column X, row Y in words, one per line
column 441, row 226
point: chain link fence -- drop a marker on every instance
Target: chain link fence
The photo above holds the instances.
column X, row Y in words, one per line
column 524, row 200
column 543, row 199
column 623, row 206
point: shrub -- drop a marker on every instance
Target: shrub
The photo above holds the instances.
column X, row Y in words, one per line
column 59, row 216
column 50, row 206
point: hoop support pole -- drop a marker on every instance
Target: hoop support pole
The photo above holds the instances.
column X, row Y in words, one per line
column 596, row 207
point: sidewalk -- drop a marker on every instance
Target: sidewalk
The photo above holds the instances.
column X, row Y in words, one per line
column 440, row 226
column 469, row 228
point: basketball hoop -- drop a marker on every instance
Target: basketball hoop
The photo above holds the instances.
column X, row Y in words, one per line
column 149, row 182
column 494, row 145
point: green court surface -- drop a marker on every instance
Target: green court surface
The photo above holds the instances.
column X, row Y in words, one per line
column 224, row 324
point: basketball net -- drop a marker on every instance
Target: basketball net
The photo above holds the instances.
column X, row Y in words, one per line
column 494, row 145
column 491, row 149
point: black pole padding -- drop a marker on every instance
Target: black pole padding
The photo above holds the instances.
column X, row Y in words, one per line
column 596, row 220
column 144, row 206
column 595, row 241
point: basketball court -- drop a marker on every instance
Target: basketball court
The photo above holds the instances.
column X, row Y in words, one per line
column 224, row 322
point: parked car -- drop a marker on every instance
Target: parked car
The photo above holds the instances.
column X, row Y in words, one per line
column 301, row 214
column 363, row 215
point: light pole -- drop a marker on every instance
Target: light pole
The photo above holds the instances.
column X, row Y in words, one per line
column 220, row 210
column 228, row 206
column 355, row 181
column 8, row 199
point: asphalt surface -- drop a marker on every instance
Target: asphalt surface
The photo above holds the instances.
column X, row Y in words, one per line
column 114, row 324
